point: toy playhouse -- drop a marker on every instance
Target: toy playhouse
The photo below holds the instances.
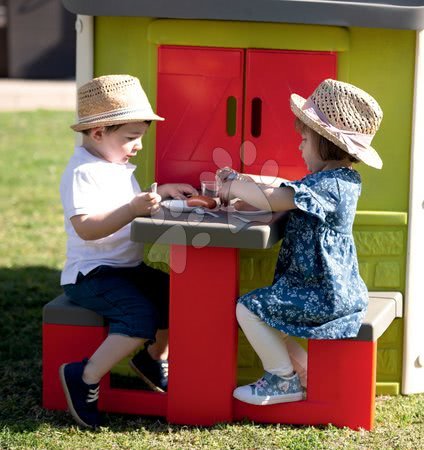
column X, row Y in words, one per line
column 221, row 73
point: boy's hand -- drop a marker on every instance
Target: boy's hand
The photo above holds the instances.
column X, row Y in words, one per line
column 179, row 191
column 145, row 204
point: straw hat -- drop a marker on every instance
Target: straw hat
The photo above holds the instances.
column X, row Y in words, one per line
column 345, row 115
column 112, row 100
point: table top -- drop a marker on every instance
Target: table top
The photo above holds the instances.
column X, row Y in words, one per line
column 226, row 230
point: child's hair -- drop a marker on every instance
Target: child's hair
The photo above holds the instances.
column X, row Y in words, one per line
column 327, row 150
column 112, row 128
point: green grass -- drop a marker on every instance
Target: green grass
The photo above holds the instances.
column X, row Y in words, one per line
column 34, row 148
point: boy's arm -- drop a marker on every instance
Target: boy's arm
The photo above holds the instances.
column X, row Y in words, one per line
column 176, row 190
column 96, row 226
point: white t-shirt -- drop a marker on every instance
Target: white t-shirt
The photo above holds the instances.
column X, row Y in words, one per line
column 92, row 185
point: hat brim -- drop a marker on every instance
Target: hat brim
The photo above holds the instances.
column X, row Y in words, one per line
column 120, row 121
column 370, row 157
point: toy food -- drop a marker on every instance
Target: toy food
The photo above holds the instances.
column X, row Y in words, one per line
column 201, row 201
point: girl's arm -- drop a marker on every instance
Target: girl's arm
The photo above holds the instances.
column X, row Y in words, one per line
column 259, row 196
column 266, row 180
column 229, row 174
column 96, row 226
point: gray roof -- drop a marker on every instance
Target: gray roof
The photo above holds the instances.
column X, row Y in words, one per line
column 400, row 14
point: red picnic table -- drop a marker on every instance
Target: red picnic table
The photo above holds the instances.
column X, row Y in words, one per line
column 204, row 286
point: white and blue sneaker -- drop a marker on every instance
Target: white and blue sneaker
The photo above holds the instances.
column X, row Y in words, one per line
column 271, row 389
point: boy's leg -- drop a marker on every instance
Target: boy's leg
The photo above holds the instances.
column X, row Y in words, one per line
column 80, row 380
column 113, row 349
column 132, row 318
column 151, row 363
column 160, row 348
column 154, row 284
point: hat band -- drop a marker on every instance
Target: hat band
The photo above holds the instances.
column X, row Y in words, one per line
column 116, row 114
column 357, row 143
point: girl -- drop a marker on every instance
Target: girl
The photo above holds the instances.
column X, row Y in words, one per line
column 317, row 291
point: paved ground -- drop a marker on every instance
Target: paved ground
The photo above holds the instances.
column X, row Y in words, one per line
column 24, row 95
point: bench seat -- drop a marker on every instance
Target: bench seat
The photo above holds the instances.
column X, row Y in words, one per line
column 383, row 307
column 341, row 373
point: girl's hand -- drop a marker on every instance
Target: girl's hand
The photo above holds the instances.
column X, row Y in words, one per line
column 179, row 191
column 225, row 193
column 145, row 204
column 226, row 172
column 241, row 205
column 229, row 174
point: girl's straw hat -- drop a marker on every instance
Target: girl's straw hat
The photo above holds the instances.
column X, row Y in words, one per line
column 112, row 100
column 345, row 115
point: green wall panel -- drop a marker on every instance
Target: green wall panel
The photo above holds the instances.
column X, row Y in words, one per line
column 121, row 46
column 248, row 35
column 382, row 63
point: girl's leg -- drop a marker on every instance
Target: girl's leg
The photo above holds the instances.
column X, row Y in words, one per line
column 266, row 338
column 278, row 384
column 113, row 349
column 269, row 343
column 299, row 358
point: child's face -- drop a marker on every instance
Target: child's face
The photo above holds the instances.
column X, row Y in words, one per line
column 117, row 146
column 309, row 148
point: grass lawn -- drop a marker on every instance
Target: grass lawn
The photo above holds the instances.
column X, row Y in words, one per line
column 34, row 148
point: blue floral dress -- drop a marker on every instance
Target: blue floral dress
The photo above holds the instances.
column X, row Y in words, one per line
column 317, row 291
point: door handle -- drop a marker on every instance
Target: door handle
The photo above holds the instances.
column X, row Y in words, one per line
column 256, row 117
column 231, row 121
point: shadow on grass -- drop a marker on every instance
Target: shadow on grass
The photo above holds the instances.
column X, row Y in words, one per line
column 23, row 293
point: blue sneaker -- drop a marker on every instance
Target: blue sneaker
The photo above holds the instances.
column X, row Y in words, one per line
column 271, row 389
column 81, row 397
column 153, row 372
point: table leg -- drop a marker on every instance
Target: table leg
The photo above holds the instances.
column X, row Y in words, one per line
column 202, row 335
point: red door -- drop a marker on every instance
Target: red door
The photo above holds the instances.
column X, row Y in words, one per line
column 199, row 95
column 271, row 142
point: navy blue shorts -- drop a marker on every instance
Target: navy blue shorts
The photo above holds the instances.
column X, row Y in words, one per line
column 134, row 300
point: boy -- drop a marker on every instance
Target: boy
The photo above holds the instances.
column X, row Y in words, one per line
column 104, row 271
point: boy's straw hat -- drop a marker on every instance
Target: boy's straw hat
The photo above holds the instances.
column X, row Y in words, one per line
column 345, row 115
column 112, row 100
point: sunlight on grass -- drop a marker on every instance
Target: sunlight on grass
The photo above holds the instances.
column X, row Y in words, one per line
column 34, row 148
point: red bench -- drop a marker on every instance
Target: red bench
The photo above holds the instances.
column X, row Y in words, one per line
column 341, row 373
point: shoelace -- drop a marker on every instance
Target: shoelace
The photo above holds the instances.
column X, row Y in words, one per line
column 93, row 394
column 164, row 367
column 260, row 383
